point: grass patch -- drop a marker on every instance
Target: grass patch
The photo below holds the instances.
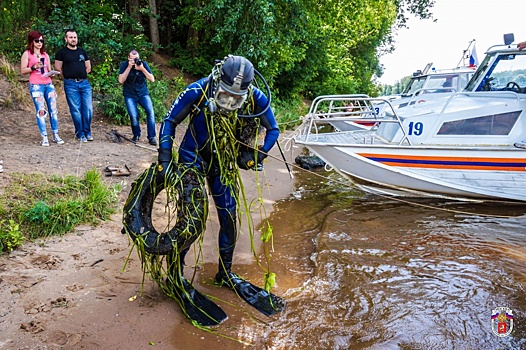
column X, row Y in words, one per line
column 288, row 112
column 18, row 93
column 38, row 205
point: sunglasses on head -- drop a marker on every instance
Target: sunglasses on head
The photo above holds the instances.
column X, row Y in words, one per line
column 39, row 41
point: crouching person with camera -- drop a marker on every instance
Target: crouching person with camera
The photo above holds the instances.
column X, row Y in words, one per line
column 133, row 74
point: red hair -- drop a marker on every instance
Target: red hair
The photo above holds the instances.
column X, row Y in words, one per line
column 33, row 35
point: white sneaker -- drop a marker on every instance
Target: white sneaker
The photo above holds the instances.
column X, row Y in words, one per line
column 45, row 141
column 57, row 139
column 520, row 144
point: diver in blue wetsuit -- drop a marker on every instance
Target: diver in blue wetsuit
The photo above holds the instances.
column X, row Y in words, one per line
column 227, row 93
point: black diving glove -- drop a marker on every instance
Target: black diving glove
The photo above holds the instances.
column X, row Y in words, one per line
column 164, row 163
column 246, row 160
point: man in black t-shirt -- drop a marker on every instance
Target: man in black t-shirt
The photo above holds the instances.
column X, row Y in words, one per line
column 74, row 65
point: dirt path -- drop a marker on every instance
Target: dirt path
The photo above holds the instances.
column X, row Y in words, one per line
column 73, row 292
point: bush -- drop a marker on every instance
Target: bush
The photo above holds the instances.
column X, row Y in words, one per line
column 287, row 112
column 162, row 93
column 41, row 206
column 10, row 235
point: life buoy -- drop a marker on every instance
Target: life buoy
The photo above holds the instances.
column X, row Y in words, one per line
column 187, row 191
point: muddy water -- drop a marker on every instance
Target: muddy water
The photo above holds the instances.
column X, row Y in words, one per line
column 365, row 272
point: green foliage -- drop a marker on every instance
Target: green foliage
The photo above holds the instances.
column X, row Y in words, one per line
column 13, row 37
column 99, row 33
column 302, row 47
column 419, row 8
column 111, row 103
column 162, row 93
column 17, row 93
column 51, row 205
column 187, row 62
column 10, row 235
column 397, row 88
column 8, row 70
column 288, row 112
column 39, row 213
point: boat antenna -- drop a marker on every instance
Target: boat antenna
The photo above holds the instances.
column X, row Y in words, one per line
column 465, row 54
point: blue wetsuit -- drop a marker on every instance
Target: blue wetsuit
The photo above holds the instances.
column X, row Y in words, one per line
column 195, row 151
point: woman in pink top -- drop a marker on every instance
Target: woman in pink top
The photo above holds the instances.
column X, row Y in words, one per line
column 35, row 62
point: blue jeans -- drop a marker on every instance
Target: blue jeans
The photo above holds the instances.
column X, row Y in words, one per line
column 79, row 97
column 146, row 103
column 43, row 94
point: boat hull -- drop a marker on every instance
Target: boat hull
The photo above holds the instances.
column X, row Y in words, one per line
column 495, row 173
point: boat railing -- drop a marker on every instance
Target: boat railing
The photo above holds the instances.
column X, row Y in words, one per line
column 355, row 108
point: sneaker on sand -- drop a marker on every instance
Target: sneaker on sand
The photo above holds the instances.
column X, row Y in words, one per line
column 152, row 141
column 89, row 137
column 520, row 144
column 45, row 141
column 57, row 139
column 82, row 139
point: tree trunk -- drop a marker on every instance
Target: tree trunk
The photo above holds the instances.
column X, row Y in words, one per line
column 192, row 40
column 135, row 13
column 154, row 25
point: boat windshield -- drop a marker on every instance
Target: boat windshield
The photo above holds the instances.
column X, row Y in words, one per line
column 506, row 73
column 438, row 83
column 414, row 85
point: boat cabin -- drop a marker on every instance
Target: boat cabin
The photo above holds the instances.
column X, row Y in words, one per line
column 490, row 105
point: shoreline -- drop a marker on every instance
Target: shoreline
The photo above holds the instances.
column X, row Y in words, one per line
column 85, row 290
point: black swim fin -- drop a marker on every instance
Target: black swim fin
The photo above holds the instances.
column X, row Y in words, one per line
column 265, row 302
column 198, row 307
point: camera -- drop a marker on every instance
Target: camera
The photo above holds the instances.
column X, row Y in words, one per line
column 137, row 61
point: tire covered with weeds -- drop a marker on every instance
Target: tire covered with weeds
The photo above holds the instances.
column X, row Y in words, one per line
column 187, row 199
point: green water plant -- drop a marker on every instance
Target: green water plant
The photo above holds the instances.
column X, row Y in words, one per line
column 227, row 133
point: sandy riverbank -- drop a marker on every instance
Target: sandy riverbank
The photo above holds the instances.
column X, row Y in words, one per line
column 73, row 292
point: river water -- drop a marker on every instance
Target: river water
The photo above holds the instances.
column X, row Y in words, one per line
column 361, row 271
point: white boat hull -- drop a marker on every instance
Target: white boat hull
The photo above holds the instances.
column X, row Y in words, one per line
column 464, row 146
column 453, row 173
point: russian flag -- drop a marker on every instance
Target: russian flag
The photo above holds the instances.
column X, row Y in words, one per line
column 495, row 315
column 473, row 59
column 509, row 314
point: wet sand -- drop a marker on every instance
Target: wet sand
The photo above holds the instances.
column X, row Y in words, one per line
column 85, row 290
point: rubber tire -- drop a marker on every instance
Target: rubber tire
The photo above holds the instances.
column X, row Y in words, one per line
column 137, row 211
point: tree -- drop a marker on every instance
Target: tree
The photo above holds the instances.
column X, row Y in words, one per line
column 302, row 47
column 154, row 26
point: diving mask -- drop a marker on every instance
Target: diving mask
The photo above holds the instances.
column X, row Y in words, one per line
column 228, row 100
